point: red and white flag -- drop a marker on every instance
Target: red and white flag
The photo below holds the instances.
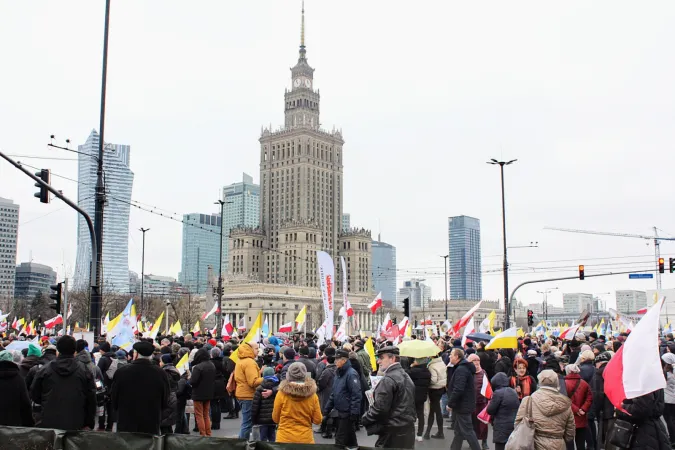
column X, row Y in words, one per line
column 486, row 389
column 227, row 326
column 466, row 317
column 403, row 325
column 641, row 373
column 643, row 310
column 51, row 323
column 468, row 329
column 376, row 304
column 70, row 311
column 569, row 333
column 213, row 311
column 386, row 323
column 348, row 308
column 242, row 324
column 286, row 328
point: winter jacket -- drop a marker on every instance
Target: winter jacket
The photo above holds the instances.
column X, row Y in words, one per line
column 246, row 374
column 262, row 408
column 27, row 363
column 183, row 393
column 553, row 418
column 601, row 403
column 504, row 365
column 170, row 411
column 532, row 366
column 645, row 411
column 220, row 381
column 104, row 364
column 48, row 357
column 85, row 358
column 140, row 393
column 67, row 393
column 587, row 372
column 439, row 376
column 310, row 365
column 203, row 376
column 15, row 408
column 320, row 366
column 503, row 408
column 487, row 362
column 345, row 395
column 356, row 365
column 461, row 390
column 481, row 401
column 364, row 360
column 393, row 402
column 284, row 369
column 669, row 392
column 581, row 397
column 421, row 378
column 296, row 408
column 325, row 385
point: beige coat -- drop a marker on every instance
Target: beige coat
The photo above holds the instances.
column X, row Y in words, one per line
column 553, row 418
column 439, row 374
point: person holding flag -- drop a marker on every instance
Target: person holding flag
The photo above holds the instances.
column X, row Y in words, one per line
column 483, row 395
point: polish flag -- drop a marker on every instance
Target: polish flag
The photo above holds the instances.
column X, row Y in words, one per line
column 468, row 329
column 242, row 324
column 486, row 389
column 286, row 328
column 569, row 333
column 631, row 380
column 643, row 311
column 227, row 326
column 70, row 311
column 348, row 308
column 213, row 311
column 428, row 321
column 376, row 304
column 466, row 317
column 403, row 325
column 51, row 323
column 15, row 324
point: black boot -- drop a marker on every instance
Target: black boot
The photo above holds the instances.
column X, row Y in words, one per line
column 438, row 435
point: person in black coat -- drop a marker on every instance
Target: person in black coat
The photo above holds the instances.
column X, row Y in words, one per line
column 502, row 408
column 104, row 363
column 325, row 388
column 202, row 380
column 645, row 411
column 140, row 392
column 462, row 400
column 344, row 404
column 487, row 360
column 66, row 391
column 170, row 412
column 183, row 394
column 261, row 408
column 310, row 364
column 15, row 409
column 421, row 377
column 219, row 384
column 504, row 363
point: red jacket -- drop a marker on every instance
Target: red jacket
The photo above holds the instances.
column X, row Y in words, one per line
column 581, row 398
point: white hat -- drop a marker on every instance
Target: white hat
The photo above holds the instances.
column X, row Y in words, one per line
column 668, row 358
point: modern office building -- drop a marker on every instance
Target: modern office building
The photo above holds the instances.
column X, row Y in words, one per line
column 134, row 283
column 159, row 286
column 418, row 293
column 9, row 232
column 32, row 279
column 242, row 209
column 201, row 243
column 346, row 221
column 466, row 281
column 384, row 271
column 575, row 303
column 118, row 183
column 629, row 301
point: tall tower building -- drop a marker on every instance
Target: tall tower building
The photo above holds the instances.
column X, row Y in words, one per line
column 32, row 279
column 119, row 180
column 201, row 243
column 465, row 265
column 9, row 233
column 242, row 209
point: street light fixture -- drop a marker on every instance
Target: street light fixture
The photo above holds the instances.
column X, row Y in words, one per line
column 507, row 308
column 545, row 303
column 219, row 316
column 445, row 258
column 143, row 230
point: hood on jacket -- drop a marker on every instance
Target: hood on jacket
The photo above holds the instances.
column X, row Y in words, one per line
column 500, row 380
column 246, row 351
column 201, row 356
column 171, row 371
column 298, row 390
column 64, row 365
column 29, row 361
column 8, row 369
column 551, row 402
column 84, row 357
column 469, row 365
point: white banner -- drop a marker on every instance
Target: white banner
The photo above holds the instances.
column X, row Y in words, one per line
column 344, row 285
column 327, row 283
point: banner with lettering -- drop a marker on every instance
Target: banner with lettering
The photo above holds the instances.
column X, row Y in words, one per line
column 327, row 283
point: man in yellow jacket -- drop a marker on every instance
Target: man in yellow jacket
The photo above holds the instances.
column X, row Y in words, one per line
column 247, row 377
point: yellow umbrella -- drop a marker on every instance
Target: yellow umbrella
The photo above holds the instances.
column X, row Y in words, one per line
column 418, row 348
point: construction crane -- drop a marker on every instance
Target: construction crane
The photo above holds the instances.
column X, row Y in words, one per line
column 656, row 238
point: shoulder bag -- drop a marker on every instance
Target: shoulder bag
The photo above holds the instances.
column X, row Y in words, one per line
column 522, row 437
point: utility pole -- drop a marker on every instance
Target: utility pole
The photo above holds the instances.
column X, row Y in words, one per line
column 219, row 315
column 445, row 258
column 544, row 305
column 65, row 305
column 143, row 230
column 95, row 309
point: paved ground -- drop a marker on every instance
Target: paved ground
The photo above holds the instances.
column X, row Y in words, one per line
column 230, row 428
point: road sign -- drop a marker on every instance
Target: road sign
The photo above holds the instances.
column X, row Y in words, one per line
column 640, row 276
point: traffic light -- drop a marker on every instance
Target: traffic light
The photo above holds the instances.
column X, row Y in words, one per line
column 581, row 272
column 406, row 307
column 662, row 265
column 530, row 318
column 43, row 195
column 56, row 296
column 671, row 261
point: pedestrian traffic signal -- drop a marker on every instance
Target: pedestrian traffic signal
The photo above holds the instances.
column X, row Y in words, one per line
column 581, row 272
column 56, row 296
column 43, row 195
column 406, row 307
column 530, row 318
column 671, row 261
column 662, row 265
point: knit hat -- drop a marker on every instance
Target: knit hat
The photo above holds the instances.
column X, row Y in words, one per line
column 603, row 357
column 587, row 355
column 668, row 358
column 216, row 353
column 329, row 351
column 212, row 342
column 289, row 353
column 548, row 378
column 585, row 347
column 34, row 351
column 6, row 356
column 268, row 372
column 167, row 358
column 572, row 368
column 297, row 373
column 304, row 351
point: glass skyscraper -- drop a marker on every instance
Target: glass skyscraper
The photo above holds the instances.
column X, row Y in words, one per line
column 201, row 242
column 384, row 271
column 118, row 179
column 241, row 210
column 465, row 266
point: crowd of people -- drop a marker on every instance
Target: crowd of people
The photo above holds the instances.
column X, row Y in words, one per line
column 286, row 389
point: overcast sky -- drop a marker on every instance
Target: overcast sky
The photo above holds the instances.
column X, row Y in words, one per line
column 581, row 93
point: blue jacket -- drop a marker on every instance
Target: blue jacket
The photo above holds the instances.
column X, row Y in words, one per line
column 346, row 395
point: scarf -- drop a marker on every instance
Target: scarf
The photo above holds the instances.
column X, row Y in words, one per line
column 525, row 384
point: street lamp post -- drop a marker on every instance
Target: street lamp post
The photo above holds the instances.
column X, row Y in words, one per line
column 219, row 315
column 143, row 230
column 507, row 308
column 545, row 292
column 445, row 258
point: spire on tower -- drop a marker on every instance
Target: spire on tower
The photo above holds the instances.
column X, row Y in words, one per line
column 302, row 32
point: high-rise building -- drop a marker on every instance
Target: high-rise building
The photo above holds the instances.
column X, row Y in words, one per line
column 159, row 286
column 629, row 301
column 32, row 279
column 466, row 281
column 118, row 183
column 384, row 271
column 201, row 243
column 301, row 186
column 346, row 221
column 242, row 209
column 9, row 232
column 418, row 292
column 575, row 303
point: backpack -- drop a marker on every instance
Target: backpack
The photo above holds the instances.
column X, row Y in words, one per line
column 110, row 373
column 231, row 384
